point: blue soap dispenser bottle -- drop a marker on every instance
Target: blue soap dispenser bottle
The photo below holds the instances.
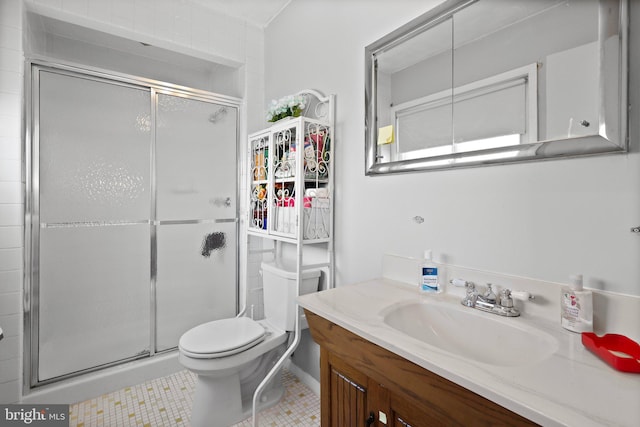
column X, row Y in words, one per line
column 429, row 281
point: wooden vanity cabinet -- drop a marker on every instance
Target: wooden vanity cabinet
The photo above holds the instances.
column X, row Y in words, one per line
column 362, row 383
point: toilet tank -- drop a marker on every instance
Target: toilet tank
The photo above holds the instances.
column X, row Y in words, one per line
column 279, row 289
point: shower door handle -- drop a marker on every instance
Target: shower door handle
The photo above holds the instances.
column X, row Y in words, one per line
column 219, row 202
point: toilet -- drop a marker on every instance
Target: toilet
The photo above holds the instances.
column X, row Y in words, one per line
column 232, row 356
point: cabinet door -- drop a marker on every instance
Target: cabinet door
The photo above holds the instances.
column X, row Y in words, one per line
column 403, row 414
column 317, row 162
column 258, row 176
column 283, row 219
column 348, row 400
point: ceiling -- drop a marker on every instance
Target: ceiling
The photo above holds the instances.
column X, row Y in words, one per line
column 257, row 12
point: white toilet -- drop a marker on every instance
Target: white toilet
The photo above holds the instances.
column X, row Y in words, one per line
column 232, row 356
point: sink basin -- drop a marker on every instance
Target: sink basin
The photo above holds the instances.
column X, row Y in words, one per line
column 466, row 332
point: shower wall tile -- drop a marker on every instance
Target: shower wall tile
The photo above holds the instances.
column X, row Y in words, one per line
column 9, row 348
column 10, row 105
column 10, row 147
column 9, row 370
column 10, row 59
column 9, row 392
column 11, row 215
column 10, row 13
column 162, row 19
column 10, row 126
column 11, row 198
column 10, row 303
column 11, row 324
column 57, row 4
column 122, row 13
column 201, row 22
column 100, row 10
column 11, row 280
column 228, row 36
column 10, row 170
column 10, row 237
column 78, row 7
column 10, row 259
column 10, row 359
column 10, row 81
column 9, row 35
column 182, row 23
column 11, row 192
column 143, row 16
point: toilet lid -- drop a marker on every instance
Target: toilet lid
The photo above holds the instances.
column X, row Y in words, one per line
column 222, row 337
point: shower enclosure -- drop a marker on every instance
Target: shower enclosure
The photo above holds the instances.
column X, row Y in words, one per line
column 131, row 218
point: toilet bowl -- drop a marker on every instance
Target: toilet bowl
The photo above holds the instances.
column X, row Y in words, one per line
column 232, row 356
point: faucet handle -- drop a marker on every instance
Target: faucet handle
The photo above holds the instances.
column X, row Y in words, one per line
column 522, row 295
column 461, row 283
column 469, row 286
column 505, row 298
column 507, row 295
column 472, row 293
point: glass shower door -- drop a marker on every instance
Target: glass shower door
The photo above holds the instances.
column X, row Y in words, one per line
column 133, row 219
column 92, row 193
column 196, row 177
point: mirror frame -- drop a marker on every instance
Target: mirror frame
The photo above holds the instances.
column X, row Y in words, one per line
column 598, row 143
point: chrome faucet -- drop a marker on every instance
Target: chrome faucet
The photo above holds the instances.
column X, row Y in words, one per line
column 488, row 301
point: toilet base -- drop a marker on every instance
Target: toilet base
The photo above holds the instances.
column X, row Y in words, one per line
column 220, row 406
column 216, row 406
column 225, row 385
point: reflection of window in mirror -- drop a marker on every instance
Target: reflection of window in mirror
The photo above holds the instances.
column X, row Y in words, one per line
column 561, row 36
column 494, row 112
column 418, row 67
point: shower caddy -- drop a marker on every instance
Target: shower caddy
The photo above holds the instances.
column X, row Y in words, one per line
column 290, row 183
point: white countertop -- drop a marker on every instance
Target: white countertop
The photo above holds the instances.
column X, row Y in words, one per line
column 572, row 387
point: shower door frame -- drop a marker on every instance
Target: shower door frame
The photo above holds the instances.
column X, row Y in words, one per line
column 33, row 65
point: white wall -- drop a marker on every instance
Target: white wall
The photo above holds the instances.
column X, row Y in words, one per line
column 544, row 220
column 181, row 26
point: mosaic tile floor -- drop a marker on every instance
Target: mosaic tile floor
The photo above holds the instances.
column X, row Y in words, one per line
column 166, row 402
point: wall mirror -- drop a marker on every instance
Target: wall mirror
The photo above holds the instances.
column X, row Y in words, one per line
column 477, row 82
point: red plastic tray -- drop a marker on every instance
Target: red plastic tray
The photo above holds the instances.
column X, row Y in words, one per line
column 604, row 346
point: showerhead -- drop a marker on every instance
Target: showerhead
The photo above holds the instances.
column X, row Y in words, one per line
column 215, row 117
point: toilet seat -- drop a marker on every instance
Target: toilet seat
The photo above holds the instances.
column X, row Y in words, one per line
column 221, row 338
